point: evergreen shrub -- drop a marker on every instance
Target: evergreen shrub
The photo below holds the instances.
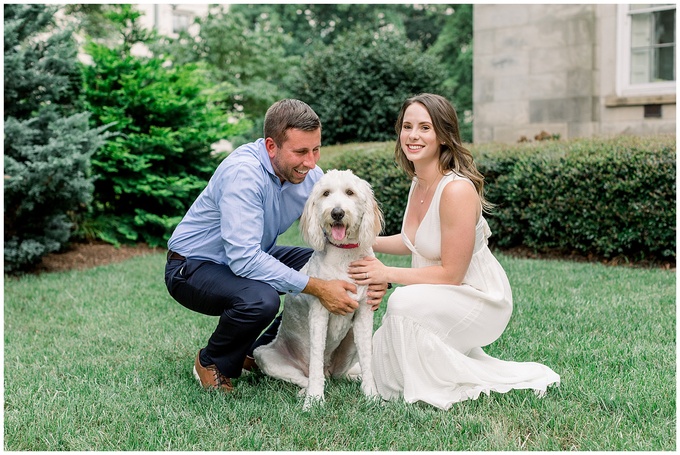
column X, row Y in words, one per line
column 48, row 142
column 47, row 183
column 165, row 123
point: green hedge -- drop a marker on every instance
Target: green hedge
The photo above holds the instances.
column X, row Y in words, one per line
column 606, row 197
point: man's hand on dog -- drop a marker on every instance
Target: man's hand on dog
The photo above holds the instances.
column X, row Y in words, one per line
column 333, row 295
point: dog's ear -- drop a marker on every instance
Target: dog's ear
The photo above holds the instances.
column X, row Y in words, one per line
column 372, row 221
column 379, row 222
column 310, row 228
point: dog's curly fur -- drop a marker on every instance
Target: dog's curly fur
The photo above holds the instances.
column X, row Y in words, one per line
column 312, row 343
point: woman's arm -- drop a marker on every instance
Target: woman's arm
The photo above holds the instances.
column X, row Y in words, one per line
column 392, row 244
column 459, row 211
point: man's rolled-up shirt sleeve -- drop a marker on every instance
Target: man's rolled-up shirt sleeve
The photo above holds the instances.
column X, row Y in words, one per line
column 242, row 206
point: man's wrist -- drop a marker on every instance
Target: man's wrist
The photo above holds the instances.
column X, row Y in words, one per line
column 314, row 286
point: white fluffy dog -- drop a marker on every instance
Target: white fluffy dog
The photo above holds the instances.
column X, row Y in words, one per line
column 340, row 222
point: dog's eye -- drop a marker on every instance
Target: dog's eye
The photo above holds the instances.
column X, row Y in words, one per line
column 326, row 193
column 349, row 192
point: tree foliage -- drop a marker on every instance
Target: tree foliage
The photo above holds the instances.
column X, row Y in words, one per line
column 255, row 50
column 248, row 66
column 48, row 142
column 165, row 107
column 454, row 49
column 313, row 25
column 442, row 30
column 358, row 84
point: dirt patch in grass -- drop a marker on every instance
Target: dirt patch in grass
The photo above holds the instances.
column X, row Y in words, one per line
column 82, row 256
column 85, row 255
column 528, row 253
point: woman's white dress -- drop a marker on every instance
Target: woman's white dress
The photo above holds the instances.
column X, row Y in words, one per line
column 428, row 347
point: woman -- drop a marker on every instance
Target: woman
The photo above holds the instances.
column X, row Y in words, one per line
column 456, row 297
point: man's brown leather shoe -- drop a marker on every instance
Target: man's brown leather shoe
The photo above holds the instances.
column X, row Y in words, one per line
column 210, row 377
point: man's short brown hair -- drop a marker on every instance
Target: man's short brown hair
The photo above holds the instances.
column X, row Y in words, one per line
column 286, row 114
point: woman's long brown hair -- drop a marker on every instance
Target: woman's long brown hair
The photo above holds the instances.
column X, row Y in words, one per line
column 452, row 155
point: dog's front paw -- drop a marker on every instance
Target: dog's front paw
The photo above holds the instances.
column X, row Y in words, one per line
column 312, row 401
column 369, row 388
column 354, row 372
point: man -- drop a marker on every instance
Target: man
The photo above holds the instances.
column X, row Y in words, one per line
column 223, row 259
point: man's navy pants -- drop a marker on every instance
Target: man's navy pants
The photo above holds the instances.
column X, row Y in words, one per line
column 245, row 307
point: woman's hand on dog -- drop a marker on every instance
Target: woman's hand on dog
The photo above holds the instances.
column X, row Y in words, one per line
column 370, row 272
column 375, row 294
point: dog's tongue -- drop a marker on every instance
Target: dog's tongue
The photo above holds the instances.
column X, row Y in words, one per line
column 338, row 231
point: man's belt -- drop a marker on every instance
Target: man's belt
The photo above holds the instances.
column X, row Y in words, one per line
column 175, row 256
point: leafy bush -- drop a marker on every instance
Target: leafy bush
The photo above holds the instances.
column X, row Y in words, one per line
column 358, row 84
column 161, row 158
column 47, row 143
column 608, row 197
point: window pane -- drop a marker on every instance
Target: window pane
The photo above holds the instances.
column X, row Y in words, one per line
column 652, row 40
column 180, row 22
column 639, row 66
column 664, row 65
column 665, row 27
column 641, row 30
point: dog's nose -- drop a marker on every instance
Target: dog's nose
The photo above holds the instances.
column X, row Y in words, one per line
column 337, row 213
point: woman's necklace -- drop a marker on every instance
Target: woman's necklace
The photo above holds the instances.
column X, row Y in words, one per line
column 427, row 190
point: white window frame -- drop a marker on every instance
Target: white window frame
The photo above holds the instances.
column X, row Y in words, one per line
column 624, row 86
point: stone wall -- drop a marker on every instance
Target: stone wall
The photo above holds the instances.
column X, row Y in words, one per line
column 550, row 68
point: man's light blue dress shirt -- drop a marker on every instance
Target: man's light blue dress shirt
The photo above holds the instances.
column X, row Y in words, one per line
column 237, row 218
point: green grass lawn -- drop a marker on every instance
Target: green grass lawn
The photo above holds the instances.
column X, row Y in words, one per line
column 101, row 360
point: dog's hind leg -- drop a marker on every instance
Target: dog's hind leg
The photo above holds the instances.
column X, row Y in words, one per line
column 280, row 365
column 318, row 327
column 363, row 333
